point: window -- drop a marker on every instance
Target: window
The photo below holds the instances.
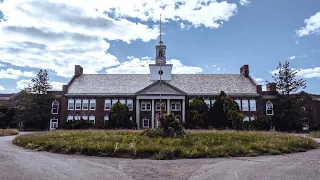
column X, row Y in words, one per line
column 122, row 101
column 85, row 118
column 207, row 101
column 245, row 105
column 114, row 101
column 253, row 105
column 178, row 117
column 145, row 106
column 130, row 104
column 107, row 104
column 238, row 101
column 70, row 118
column 78, row 104
column 269, row 108
column 92, row 104
column 212, row 102
column 246, row 118
column 85, row 104
column 55, row 107
column 106, row 119
column 77, row 117
column 158, row 106
column 145, row 123
column 175, row 106
column 70, row 104
column 253, row 118
column 92, row 119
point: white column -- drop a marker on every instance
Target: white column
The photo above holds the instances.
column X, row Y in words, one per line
column 183, row 110
column 168, row 106
column 152, row 114
column 138, row 113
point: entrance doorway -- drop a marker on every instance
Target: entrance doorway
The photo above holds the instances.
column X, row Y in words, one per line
column 53, row 124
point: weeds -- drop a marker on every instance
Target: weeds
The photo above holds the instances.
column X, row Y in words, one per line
column 8, row 132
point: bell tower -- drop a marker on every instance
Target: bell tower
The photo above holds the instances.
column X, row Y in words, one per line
column 161, row 70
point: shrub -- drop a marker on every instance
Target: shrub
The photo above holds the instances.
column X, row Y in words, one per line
column 119, row 117
column 80, row 124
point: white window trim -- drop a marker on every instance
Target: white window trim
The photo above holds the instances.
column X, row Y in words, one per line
column 238, row 101
column 69, row 119
column 175, row 105
column 94, row 119
column 105, row 104
column 255, row 103
column 158, row 103
column 70, row 100
column 95, row 104
column 145, row 105
column 130, row 101
column 77, row 102
column 245, row 100
column 148, row 120
column 269, row 102
column 85, row 101
column 55, row 103
column 122, row 101
column 246, row 118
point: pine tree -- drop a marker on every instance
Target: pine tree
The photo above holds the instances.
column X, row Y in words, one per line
column 120, row 117
column 197, row 114
column 291, row 115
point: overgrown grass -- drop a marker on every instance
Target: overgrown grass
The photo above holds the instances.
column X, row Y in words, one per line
column 8, row 132
column 197, row 144
column 315, row 134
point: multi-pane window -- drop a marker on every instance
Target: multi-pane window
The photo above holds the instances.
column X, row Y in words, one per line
column 85, row 104
column 158, row 106
column 253, row 105
column 253, row 118
column 92, row 104
column 122, row 101
column 85, row 118
column 107, row 104
column 238, row 101
column 78, row 104
column 106, row 119
column 92, row 118
column 269, row 108
column 71, row 104
column 175, row 106
column 145, row 106
column 130, row 104
column 77, row 117
column 212, row 102
column 245, row 105
column 145, row 123
column 55, row 107
column 114, row 101
column 207, row 101
column 246, row 118
column 70, row 118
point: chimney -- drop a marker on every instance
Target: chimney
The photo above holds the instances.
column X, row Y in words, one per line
column 259, row 89
column 78, row 70
column 272, row 87
column 245, row 70
column 65, row 88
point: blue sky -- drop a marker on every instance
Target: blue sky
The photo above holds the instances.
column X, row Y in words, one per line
column 120, row 37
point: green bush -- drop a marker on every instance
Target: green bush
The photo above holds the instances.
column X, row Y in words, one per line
column 80, row 124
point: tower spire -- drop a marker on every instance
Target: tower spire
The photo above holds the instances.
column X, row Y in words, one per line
column 160, row 48
column 160, row 42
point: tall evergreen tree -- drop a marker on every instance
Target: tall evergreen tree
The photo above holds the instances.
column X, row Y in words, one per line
column 35, row 103
column 291, row 115
column 197, row 114
column 120, row 117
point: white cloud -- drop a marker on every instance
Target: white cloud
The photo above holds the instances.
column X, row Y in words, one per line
column 141, row 66
column 302, row 56
column 58, row 34
column 2, row 88
column 57, row 86
column 296, row 41
column 312, row 26
column 309, row 73
column 259, row 80
column 244, row 2
column 24, row 83
column 1, row 65
column 292, row 57
column 15, row 74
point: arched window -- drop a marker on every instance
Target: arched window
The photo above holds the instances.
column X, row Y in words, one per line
column 55, row 107
column 269, row 108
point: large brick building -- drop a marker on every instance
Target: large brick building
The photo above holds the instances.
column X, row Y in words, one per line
column 90, row 96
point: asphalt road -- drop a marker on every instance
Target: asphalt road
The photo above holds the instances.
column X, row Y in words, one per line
column 20, row 164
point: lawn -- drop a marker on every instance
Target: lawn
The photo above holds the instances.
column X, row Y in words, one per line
column 197, row 144
column 8, row 132
column 315, row 134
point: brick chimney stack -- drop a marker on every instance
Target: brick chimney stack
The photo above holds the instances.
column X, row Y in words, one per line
column 78, row 71
column 272, row 87
column 245, row 70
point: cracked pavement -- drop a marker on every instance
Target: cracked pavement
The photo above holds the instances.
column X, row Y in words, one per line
column 18, row 163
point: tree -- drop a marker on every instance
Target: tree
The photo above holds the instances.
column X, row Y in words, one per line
column 197, row 114
column 225, row 113
column 34, row 106
column 3, row 116
column 120, row 117
column 291, row 115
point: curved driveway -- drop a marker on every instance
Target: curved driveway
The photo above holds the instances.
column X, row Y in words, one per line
column 17, row 163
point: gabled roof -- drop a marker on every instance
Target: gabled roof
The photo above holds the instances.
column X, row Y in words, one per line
column 192, row 84
column 163, row 83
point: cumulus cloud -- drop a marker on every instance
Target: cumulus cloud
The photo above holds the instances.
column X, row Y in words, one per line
column 292, row 57
column 244, row 2
column 141, row 66
column 24, row 83
column 2, row 88
column 57, row 86
column 259, row 80
column 309, row 73
column 15, row 74
column 312, row 26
